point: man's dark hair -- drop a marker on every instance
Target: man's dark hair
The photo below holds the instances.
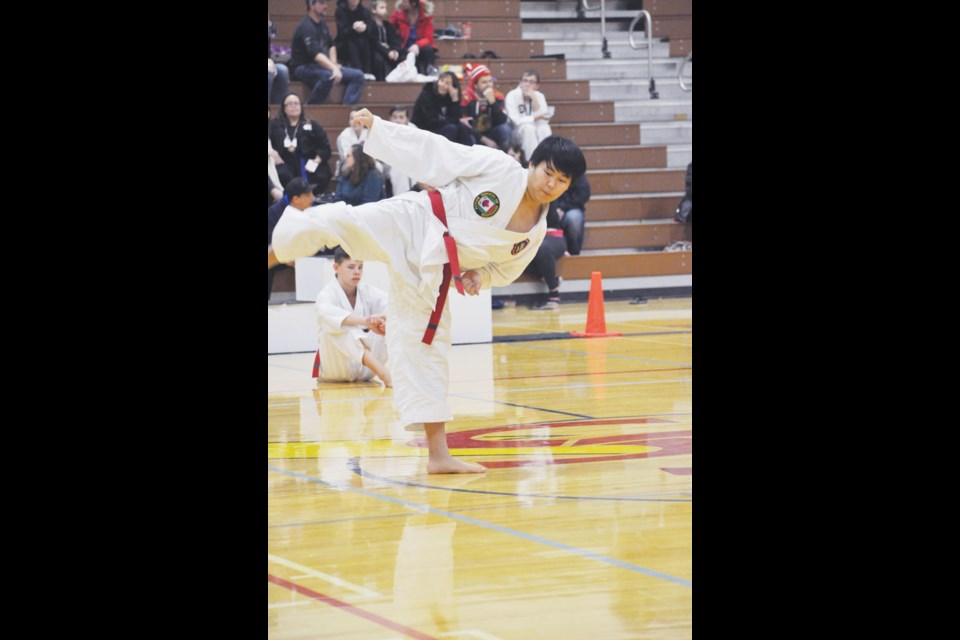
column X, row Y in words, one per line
column 531, row 72
column 400, row 107
column 562, row 154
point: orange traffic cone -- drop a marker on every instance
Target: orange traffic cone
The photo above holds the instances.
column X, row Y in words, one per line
column 596, row 321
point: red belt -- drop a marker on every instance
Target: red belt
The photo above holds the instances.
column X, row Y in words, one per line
column 450, row 269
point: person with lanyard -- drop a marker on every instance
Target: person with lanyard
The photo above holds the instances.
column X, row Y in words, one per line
column 479, row 227
column 302, row 144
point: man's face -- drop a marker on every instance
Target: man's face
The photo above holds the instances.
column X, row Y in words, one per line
column 483, row 83
column 380, row 10
column 303, row 200
column 400, row 117
column 529, row 83
column 545, row 183
column 318, row 7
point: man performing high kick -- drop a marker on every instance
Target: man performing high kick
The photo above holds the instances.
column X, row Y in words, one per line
column 479, row 229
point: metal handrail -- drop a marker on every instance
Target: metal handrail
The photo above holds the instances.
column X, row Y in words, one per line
column 583, row 6
column 683, row 65
column 644, row 13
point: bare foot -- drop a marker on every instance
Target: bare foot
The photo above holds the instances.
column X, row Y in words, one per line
column 450, row 464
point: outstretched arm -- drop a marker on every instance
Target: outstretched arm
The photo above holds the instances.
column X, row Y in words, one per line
column 425, row 156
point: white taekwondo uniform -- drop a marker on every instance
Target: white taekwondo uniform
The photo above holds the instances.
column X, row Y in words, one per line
column 341, row 347
column 481, row 188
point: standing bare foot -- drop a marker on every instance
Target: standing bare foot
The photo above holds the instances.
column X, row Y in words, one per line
column 449, row 464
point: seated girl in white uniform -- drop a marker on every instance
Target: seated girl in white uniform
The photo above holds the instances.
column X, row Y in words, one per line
column 351, row 324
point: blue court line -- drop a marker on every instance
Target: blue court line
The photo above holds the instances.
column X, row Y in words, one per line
column 357, row 519
column 355, row 467
column 424, row 508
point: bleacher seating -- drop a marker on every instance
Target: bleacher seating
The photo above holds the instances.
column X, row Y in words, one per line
column 634, row 189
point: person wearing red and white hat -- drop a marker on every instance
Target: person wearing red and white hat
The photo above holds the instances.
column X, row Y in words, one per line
column 484, row 108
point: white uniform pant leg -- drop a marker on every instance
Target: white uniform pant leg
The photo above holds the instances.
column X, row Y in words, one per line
column 528, row 138
column 421, row 374
column 341, row 358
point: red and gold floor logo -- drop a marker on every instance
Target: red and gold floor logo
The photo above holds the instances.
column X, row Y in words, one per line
column 570, row 442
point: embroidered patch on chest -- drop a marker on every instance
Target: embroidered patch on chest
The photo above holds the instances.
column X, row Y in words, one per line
column 520, row 246
column 486, row 204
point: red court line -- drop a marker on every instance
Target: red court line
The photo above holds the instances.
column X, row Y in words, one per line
column 349, row 608
column 594, row 373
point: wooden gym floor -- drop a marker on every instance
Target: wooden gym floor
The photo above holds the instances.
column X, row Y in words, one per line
column 581, row 527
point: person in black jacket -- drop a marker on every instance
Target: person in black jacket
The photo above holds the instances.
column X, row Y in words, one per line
column 384, row 42
column 354, row 25
column 313, row 58
column 571, row 209
column 302, row 143
column 437, row 109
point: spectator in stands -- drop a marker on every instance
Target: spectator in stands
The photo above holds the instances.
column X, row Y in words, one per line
column 302, row 144
column 515, row 149
column 484, row 107
column 278, row 75
column 544, row 264
column 684, row 213
column 360, row 182
column 396, row 180
column 413, row 21
column 384, row 42
column 352, row 134
column 354, row 25
column 298, row 194
column 570, row 209
column 277, row 170
column 528, row 111
column 437, row 109
column 313, row 58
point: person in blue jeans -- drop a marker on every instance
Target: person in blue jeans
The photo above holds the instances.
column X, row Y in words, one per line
column 313, row 58
column 278, row 75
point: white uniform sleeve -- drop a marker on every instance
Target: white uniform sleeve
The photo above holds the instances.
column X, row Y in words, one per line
column 330, row 314
column 427, row 157
column 505, row 272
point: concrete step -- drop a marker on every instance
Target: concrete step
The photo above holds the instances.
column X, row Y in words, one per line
column 622, row 69
column 667, row 88
column 575, row 31
column 653, row 110
column 592, row 49
column 679, row 155
column 680, row 132
column 568, row 8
